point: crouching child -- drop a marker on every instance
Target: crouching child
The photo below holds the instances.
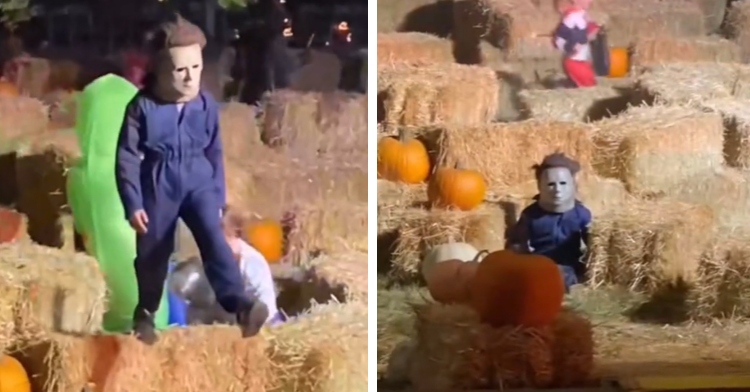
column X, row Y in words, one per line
column 556, row 225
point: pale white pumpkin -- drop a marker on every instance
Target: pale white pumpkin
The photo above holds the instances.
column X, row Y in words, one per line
column 444, row 252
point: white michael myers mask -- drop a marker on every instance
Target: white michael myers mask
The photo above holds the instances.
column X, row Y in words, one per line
column 557, row 190
column 179, row 73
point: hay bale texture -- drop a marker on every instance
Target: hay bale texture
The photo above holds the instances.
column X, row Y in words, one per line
column 736, row 129
column 431, row 16
column 324, row 350
column 185, row 359
column 41, row 167
column 656, row 50
column 413, row 49
column 310, row 124
column 505, row 152
column 650, row 246
column 651, row 149
column 580, row 104
column 47, row 289
column 455, row 351
column 341, row 276
column 239, row 130
column 693, row 83
column 421, row 229
column 441, row 93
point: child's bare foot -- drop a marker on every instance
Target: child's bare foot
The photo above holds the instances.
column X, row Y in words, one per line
column 251, row 318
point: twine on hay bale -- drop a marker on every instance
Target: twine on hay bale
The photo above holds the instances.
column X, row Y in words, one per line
column 693, row 83
column 505, row 152
column 651, row 149
column 422, row 229
column 413, row 49
column 723, row 287
column 725, row 190
column 324, row 350
column 736, row 129
column 239, row 130
column 580, row 104
column 41, row 168
column 650, row 246
column 441, row 93
column 455, row 351
column 309, row 124
column 738, row 26
column 185, row 359
column 655, row 50
column 52, row 290
column 20, row 117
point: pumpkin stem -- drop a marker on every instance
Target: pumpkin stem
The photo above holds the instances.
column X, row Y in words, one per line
column 480, row 255
column 403, row 135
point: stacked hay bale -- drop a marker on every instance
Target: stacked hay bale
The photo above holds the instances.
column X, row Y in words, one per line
column 580, row 104
column 737, row 20
column 648, row 51
column 451, row 93
column 454, row 350
column 413, row 48
column 322, row 350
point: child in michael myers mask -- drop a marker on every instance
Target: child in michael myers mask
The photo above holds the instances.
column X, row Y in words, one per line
column 556, row 224
column 169, row 166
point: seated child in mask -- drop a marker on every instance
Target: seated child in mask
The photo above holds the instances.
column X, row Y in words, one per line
column 556, row 225
column 256, row 274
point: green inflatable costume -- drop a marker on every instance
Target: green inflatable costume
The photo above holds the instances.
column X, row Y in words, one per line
column 93, row 197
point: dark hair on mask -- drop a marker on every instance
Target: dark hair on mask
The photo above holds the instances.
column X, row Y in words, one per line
column 557, row 159
column 176, row 32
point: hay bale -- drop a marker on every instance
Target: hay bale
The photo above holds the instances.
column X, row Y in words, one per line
column 580, row 104
column 630, row 20
column 324, row 350
column 650, row 246
column 723, row 289
column 441, row 93
column 54, row 290
column 422, row 229
column 63, row 108
column 725, row 190
column 693, row 83
column 239, row 130
column 505, row 153
column 185, row 359
column 396, row 320
column 455, row 351
column 654, row 50
column 313, row 124
column 41, row 168
column 738, row 26
column 651, row 149
column 21, row 117
column 328, row 227
column 394, row 199
column 341, row 277
column 736, row 129
column 413, row 49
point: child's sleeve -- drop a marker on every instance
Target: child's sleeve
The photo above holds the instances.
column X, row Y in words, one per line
column 215, row 154
column 564, row 39
column 586, row 218
column 518, row 236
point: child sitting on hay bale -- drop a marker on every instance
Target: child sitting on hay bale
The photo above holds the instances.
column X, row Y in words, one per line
column 572, row 37
column 556, row 225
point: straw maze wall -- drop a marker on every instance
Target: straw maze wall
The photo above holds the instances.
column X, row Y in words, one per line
column 665, row 161
column 315, row 171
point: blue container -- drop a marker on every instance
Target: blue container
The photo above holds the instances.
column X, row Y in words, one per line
column 177, row 306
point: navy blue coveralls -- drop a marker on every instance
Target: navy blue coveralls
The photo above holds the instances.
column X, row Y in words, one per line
column 170, row 164
column 557, row 236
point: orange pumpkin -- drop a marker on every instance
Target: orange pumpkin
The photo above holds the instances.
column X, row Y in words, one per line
column 13, row 376
column 457, row 188
column 8, row 89
column 449, row 281
column 267, row 236
column 12, row 226
column 619, row 62
column 403, row 159
column 511, row 289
